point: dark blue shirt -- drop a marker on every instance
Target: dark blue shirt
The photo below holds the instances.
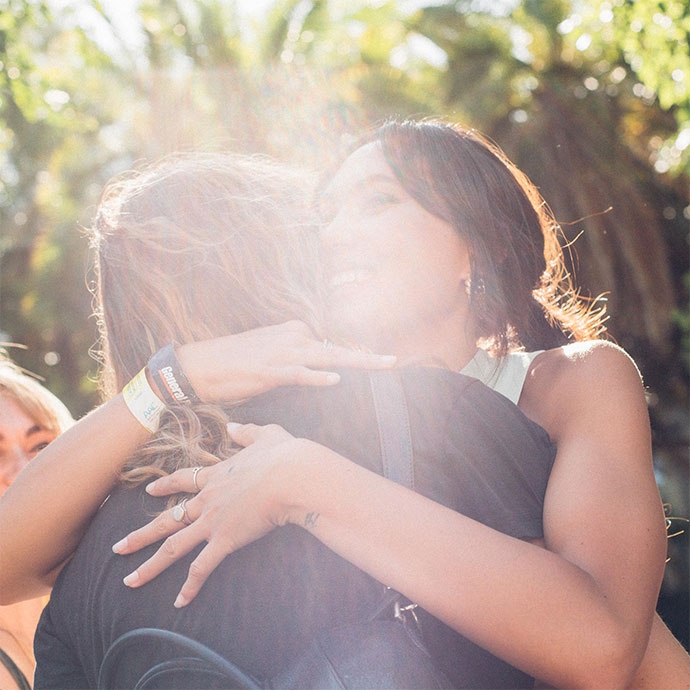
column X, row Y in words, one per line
column 474, row 451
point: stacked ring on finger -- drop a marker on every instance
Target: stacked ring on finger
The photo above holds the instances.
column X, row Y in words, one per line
column 179, row 512
column 195, row 472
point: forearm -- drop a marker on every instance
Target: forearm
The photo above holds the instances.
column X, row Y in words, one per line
column 51, row 502
column 666, row 663
column 513, row 598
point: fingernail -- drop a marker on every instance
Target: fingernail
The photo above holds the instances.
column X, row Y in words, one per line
column 333, row 378
column 150, row 487
column 120, row 546
column 180, row 602
column 131, row 579
column 391, row 359
column 233, row 426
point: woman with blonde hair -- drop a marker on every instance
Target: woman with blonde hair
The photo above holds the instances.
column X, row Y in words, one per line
column 30, row 418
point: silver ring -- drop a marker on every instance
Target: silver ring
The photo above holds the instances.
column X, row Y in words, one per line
column 328, row 345
column 179, row 512
column 196, row 471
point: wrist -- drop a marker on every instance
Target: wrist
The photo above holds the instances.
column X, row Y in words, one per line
column 302, row 483
column 153, row 385
column 189, row 360
column 143, row 402
column 167, row 372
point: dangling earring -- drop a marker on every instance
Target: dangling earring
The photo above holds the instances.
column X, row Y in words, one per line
column 474, row 288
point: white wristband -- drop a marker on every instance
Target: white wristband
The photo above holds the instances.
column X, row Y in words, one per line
column 142, row 402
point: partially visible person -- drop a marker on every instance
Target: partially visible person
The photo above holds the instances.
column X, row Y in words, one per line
column 30, row 418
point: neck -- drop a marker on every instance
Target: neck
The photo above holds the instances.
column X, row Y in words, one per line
column 448, row 350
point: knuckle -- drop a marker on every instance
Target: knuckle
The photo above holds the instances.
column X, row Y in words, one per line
column 170, row 482
column 160, row 526
column 196, row 572
column 169, row 547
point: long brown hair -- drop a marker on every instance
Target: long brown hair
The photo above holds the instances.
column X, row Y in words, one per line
column 196, row 246
column 521, row 293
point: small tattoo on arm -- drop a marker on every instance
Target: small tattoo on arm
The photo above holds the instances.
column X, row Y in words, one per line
column 310, row 520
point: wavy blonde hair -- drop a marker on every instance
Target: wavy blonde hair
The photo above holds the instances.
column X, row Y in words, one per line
column 196, row 246
column 44, row 408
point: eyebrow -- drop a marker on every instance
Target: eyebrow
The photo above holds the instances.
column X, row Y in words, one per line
column 31, row 431
column 327, row 195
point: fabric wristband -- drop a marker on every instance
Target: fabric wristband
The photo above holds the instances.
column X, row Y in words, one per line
column 142, row 402
column 171, row 380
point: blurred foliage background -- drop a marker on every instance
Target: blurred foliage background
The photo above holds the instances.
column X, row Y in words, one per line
column 590, row 98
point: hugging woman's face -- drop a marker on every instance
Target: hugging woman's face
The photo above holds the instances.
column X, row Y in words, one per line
column 395, row 272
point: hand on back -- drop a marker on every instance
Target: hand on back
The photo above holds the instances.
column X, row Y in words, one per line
column 235, row 367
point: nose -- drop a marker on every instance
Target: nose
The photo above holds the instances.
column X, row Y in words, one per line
column 13, row 461
column 337, row 231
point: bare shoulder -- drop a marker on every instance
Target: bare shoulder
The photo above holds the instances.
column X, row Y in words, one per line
column 595, row 375
column 590, row 362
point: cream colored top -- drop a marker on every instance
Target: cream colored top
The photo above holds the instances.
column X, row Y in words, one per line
column 506, row 375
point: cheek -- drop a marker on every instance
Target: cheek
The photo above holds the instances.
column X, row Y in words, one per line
column 441, row 261
column 10, row 468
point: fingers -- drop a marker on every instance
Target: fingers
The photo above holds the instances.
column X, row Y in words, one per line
column 176, row 546
column 199, row 570
column 171, row 550
column 247, row 434
column 339, row 356
column 162, row 526
column 187, row 480
column 299, row 375
column 327, row 354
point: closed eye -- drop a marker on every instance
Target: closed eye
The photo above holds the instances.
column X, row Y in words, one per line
column 377, row 200
column 369, row 195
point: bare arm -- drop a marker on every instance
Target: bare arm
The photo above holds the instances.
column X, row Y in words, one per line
column 56, row 495
column 577, row 616
column 666, row 663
